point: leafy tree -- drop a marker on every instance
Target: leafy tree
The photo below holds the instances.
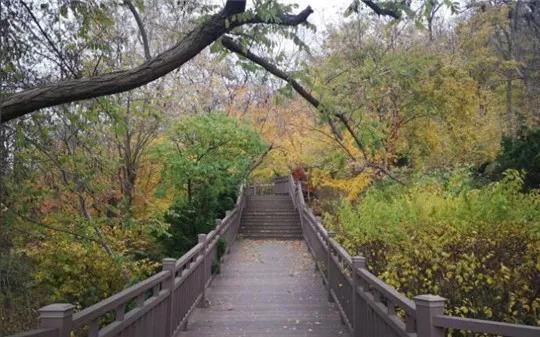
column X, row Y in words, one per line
column 208, row 30
column 477, row 247
column 522, row 154
column 205, row 160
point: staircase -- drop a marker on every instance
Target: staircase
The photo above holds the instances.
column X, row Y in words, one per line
column 270, row 216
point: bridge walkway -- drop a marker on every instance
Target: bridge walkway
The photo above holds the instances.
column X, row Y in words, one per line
column 267, row 288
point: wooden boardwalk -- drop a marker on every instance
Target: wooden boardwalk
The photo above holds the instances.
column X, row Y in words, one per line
column 267, row 288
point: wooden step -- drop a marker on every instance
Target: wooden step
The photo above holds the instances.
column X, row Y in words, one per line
column 280, row 236
column 270, row 222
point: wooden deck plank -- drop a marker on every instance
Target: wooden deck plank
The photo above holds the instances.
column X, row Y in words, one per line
column 267, row 288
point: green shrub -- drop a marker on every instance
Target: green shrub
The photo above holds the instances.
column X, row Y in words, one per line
column 522, row 154
column 189, row 218
column 206, row 158
column 478, row 247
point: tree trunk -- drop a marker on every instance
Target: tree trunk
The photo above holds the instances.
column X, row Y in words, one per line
column 192, row 44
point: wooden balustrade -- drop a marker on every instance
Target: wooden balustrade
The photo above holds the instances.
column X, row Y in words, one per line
column 158, row 306
column 162, row 304
column 371, row 308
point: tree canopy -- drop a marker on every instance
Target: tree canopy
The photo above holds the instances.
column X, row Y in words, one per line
column 127, row 128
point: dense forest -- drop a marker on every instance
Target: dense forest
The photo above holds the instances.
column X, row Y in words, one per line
column 128, row 127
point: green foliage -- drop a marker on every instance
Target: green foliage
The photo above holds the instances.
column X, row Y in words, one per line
column 478, row 247
column 411, row 102
column 189, row 218
column 221, row 248
column 522, row 154
column 213, row 151
column 264, row 38
column 205, row 160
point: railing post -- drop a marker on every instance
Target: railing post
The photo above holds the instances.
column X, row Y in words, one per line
column 58, row 316
column 202, row 239
column 328, row 263
column 231, row 223
column 169, row 265
column 357, row 263
column 427, row 307
column 218, row 227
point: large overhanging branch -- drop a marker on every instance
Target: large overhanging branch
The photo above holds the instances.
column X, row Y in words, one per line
column 235, row 47
column 386, row 8
column 382, row 10
column 192, row 44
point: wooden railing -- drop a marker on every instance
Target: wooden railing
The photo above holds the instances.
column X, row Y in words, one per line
column 260, row 189
column 279, row 186
column 371, row 308
column 158, row 306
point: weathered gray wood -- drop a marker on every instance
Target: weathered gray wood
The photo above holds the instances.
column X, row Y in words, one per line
column 89, row 314
column 388, row 292
column 427, row 307
column 57, row 316
column 358, row 262
column 267, row 288
column 169, row 265
column 270, row 216
column 478, row 325
column 51, row 332
column 203, row 277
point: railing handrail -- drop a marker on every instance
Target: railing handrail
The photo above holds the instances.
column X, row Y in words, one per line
column 94, row 311
column 38, row 333
column 162, row 291
column 423, row 316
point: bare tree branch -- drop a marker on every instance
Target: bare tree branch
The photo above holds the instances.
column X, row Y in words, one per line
column 259, row 161
column 192, row 44
column 233, row 46
column 49, row 41
column 142, row 31
column 384, row 9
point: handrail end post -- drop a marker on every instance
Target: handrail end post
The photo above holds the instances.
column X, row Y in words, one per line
column 58, row 316
column 169, row 265
column 427, row 307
